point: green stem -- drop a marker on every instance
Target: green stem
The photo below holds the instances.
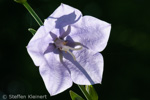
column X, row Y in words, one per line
column 82, row 88
column 32, row 12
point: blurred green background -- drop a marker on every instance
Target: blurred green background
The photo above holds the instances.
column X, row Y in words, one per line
column 126, row 68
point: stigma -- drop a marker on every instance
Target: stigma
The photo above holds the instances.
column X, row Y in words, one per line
column 62, row 45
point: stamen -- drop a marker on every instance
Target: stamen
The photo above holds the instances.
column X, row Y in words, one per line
column 65, row 43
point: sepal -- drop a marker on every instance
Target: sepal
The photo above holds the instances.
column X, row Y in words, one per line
column 75, row 96
column 91, row 91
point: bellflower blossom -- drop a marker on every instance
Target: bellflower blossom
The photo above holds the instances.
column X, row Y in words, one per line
column 67, row 49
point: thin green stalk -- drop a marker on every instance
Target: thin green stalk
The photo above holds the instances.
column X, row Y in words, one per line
column 82, row 88
column 32, row 12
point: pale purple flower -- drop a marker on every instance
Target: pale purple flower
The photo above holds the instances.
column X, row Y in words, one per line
column 67, row 49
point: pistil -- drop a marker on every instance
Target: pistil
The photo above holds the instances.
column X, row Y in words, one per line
column 61, row 44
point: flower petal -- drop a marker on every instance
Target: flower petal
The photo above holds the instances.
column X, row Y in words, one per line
column 37, row 46
column 91, row 32
column 63, row 16
column 56, row 77
column 88, row 68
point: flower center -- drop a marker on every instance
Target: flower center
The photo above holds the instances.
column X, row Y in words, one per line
column 61, row 44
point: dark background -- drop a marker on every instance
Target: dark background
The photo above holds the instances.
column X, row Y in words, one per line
column 127, row 57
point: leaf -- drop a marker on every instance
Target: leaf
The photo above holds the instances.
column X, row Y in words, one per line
column 75, row 96
column 90, row 89
column 33, row 31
